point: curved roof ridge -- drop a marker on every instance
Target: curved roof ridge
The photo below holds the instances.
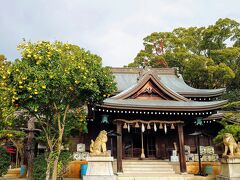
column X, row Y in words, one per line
column 150, row 75
column 178, row 85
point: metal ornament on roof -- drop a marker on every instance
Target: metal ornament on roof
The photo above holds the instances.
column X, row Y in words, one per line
column 148, row 126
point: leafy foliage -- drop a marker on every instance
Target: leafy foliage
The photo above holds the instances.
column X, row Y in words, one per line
column 6, row 134
column 231, row 123
column 233, row 106
column 233, row 129
column 53, row 82
column 6, row 110
column 40, row 165
column 51, row 76
column 208, row 57
column 4, row 161
column 65, row 158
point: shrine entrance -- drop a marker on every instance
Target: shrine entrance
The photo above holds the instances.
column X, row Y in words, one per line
column 132, row 144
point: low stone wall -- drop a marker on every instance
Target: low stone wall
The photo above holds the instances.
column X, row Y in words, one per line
column 13, row 172
column 193, row 167
column 74, row 169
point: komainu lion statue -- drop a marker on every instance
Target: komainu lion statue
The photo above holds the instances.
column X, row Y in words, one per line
column 98, row 147
column 231, row 145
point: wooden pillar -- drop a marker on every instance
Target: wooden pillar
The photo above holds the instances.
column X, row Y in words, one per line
column 182, row 159
column 119, row 147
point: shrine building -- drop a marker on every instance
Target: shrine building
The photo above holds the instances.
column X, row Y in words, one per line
column 154, row 112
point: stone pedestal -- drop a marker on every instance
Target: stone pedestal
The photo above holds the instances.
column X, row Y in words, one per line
column 230, row 168
column 99, row 168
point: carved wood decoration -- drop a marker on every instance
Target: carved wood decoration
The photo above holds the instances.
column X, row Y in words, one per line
column 150, row 92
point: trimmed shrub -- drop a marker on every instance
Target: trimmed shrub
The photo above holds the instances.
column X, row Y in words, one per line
column 4, row 161
column 40, row 165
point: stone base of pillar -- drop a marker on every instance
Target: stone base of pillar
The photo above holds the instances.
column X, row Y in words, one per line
column 230, row 168
column 99, row 168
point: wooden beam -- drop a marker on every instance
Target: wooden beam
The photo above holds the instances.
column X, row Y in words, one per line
column 182, row 159
column 119, row 147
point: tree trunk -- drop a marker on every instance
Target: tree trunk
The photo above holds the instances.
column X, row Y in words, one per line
column 55, row 168
column 30, row 148
column 48, row 166
column 59, row 146
column 61, row 126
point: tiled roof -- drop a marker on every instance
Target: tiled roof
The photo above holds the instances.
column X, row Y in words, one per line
column 128, row 77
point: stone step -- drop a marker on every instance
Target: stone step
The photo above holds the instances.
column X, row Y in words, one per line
column 140, row 176
column 148, row 165
column 139, row 161
column 148, row 171
column 146, row 168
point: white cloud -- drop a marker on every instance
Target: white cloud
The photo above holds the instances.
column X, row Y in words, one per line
column 112, row 29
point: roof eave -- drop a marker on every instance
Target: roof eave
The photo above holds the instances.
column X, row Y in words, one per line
column 216, row 93
column 164, row 108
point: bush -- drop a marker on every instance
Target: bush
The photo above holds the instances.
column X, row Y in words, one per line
column 234, row 129
column 4, row 161
column 64, row 159
column 233, row 106
column 40, row 165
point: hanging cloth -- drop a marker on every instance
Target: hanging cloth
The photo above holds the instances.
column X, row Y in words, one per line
column 128, row 127
column 155, row 127
column 143, row 128
column 165, row 128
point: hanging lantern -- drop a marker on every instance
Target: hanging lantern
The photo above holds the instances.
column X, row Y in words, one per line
column 155, row 127
column 172, row 126
column 137, row 125
column 143, row 128
column 199, row 121
column 128, row 127
column 165, row 128
column 160, row 126
column 105, row 119
column 148, row 126
column 125, row 126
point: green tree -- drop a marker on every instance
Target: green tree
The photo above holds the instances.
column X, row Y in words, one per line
column 5, row 101
column 231, row 124
column 10, row 126
column 53, row 81
column 210, row 53
column 4, row 161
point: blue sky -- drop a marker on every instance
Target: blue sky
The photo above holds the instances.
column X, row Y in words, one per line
column 113, row 29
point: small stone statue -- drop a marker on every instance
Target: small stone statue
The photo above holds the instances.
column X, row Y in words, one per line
column 231, row 145
column 98, row 147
